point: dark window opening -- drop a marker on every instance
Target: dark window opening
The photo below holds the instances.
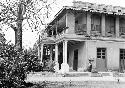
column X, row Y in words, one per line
column 101, row 53
column 76, row 21
column 122, row 53
column 119, row 10
column 122, row 60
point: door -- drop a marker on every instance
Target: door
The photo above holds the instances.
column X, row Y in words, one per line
column 101, row 59
column 75, row 61
column 122, row 60
column 60, row 60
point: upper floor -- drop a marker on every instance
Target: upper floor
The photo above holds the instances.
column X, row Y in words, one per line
column 88, row 19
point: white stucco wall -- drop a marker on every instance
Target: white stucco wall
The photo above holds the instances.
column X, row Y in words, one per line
column 81, row 55
column 88, row 50
column 112, row 51
column 70, row 22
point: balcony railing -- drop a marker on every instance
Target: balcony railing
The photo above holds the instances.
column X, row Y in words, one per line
column 95, row 33
column 111, row 32
column 80, row 29
column 95, row 30
column 96, row 27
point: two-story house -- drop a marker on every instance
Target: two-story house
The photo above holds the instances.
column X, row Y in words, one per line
column 87, row 31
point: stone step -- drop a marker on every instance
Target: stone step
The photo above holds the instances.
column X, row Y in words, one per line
column 89, row 74
column 78, row 74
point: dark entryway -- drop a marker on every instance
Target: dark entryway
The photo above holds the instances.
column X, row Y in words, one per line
column 60, row 60
column 122, row 60
column 75, row 61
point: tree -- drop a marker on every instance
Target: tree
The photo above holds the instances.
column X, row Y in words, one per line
column 2, row 38
column 14, row 13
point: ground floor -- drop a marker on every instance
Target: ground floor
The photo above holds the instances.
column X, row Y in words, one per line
column 105, row 55
column 75, row 55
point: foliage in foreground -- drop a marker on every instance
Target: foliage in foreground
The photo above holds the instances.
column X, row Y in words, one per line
column 14, row 65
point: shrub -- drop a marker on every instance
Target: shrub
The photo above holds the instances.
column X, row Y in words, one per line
column 14, row 65
column 49, row 65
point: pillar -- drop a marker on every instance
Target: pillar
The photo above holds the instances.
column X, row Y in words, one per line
column 117, row 26
column 103, row 25
column 56, row 58
column 51, row 52
column 65, row 51
column 88, row 22
column 41, row 52
column 52, row 32
column 38, row 52
column 64, row 65
column 56, row 53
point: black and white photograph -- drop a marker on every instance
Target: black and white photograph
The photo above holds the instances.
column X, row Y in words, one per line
column 62, row 44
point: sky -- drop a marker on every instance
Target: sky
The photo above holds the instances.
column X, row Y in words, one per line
column 29, row 37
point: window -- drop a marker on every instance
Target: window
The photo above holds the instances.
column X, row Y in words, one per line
column 122, row 60
column 101, row 53
column 96, row 23
column 122, row 53
column 76, row 21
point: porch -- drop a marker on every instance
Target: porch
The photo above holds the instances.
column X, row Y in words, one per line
column 60, row 51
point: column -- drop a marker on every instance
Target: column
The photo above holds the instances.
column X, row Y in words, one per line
column 56, row 58
column 38, row 52
column 51, row 53
column 65, row 51
column 88, row 22
column 117, row 26
column 56, row 27
column 52, row 32
column 64, row 65
column 103, row 24
column 56, row 53
column 41, row 52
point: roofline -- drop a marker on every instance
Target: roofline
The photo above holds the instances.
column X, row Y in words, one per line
column 56, row 16
column 86, row 10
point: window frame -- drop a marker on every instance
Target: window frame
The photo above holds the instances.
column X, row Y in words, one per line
column 122, row 54
column 102, row 55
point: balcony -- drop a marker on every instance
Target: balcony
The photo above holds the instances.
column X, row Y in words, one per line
column 95, row 33
column 110, row 32
column 80, row 29
column 95, row 30
column 122, row 32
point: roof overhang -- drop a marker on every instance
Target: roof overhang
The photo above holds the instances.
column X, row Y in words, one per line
column 48, row 40
column 107, row 9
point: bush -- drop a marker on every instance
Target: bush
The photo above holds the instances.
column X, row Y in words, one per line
column 14, row 65
column 33, row 64
column 49, row 66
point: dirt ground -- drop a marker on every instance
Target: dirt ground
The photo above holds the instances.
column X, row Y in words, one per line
column 52, row 81
column 85, row 84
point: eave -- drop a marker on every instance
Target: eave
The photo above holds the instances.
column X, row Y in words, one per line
column 65, row 8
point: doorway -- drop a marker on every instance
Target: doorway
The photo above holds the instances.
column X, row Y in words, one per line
column 122, row 60
column 101, row 59
column 75, row 61
column 60, row 60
